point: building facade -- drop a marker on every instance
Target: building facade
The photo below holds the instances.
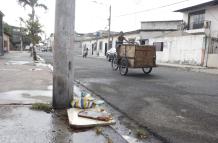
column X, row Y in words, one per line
column 203, row 18
column 196, row 42
column 98, row 45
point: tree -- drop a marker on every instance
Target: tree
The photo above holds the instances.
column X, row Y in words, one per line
column 33, row 25
column 7, row 29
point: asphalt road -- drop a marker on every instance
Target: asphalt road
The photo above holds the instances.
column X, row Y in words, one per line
column 179, row 105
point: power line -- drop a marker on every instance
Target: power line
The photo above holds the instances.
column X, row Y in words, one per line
column 146, row 10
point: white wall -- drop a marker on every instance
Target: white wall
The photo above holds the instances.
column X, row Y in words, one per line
column 211, row 14
column 181, row 49
column 212, row 60
column 160, row 25
column 101, row 52
column 151, row 34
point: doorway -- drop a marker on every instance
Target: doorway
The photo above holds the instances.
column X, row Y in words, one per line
column 105, row 49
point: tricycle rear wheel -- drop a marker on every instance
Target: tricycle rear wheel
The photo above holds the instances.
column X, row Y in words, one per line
column 147, row 70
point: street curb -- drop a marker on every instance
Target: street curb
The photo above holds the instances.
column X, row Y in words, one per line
column 43, row 61
column 164, row 140
column 182, row 66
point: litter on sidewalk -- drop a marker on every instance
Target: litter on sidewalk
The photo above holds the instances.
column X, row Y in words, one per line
column 97, row 115
column 85, row 111
column 81, row 122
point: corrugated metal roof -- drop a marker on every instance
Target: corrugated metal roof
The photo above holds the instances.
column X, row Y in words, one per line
column 210, row 3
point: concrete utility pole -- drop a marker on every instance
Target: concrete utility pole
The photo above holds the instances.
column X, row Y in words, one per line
column 63, row 74
column 109, row 29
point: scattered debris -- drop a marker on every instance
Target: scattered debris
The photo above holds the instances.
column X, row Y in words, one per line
column 98, row 130
column 180, row 117
column 109, row 140
column 35, row 69
column 97, row 115
column 183, row 110
column 42, row 107
column 98, row 102
column 82, row 103
column 131, row 139
column 142, row 134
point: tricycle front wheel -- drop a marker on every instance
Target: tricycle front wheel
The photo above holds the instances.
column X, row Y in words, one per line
column 147, row 70
column 114, row 63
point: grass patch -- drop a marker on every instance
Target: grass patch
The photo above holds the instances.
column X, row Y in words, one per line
column 142, row 134
column 42, row 107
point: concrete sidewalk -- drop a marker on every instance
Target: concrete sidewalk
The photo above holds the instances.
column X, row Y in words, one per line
column 191, row 68
column 23, row 83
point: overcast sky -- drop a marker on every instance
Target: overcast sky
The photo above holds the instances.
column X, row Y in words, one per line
column 92, row 15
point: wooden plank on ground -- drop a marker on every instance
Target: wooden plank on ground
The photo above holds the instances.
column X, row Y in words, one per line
column 80, row 122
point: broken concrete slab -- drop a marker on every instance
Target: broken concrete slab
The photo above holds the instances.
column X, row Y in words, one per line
column 80, row 122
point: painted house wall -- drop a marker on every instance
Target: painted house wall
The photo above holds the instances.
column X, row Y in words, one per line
column 181, row 49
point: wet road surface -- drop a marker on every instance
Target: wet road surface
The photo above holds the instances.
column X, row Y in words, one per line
column 179, row 105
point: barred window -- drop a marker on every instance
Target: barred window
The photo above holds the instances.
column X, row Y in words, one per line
column 158, row 46
column 196, row 19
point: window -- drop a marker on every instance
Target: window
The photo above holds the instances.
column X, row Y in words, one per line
column 196, row 19
column 144, row 42
column 158, row 46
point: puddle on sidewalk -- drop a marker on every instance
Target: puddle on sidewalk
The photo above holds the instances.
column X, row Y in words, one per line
column 17, row 62
column 26, row 96
column 19, row 124
column 9, row 70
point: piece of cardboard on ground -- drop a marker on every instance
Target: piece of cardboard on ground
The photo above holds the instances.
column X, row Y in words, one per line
column 80, row 122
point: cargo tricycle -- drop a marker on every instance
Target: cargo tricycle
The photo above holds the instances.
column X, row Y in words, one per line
column 134, row 56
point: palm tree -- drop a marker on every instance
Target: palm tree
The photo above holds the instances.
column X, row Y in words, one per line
column 32, row 4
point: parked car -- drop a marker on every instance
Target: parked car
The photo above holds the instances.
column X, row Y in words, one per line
column 110, row 54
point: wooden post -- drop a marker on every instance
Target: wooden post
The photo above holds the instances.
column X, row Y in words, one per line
column 63, row 74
